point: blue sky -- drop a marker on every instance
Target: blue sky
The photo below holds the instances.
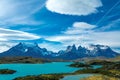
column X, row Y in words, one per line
column 54, row 24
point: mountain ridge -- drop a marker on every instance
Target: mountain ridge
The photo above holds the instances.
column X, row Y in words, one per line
column 71, row 52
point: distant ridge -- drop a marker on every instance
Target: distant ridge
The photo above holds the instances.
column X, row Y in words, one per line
column 72, row 52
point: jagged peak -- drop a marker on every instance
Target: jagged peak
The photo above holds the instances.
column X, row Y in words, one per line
column 73, row 45
column 28, row 44
column 71, row 51
column 21, row 44
column 80, row 47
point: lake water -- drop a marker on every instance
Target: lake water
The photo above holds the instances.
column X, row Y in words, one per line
column 96, row 66
column 36, row 69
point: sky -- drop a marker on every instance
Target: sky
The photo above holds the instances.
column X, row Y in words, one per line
column 55, row 24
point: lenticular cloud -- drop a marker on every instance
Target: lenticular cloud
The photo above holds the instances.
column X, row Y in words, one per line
column 73, row 7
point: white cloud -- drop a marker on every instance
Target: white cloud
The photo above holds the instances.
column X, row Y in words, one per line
column 86, row 37
column 4, row 46
column 73, row 34
column 7, row 34
column 74, row 7
column 105, row 38
column 113, row 26
column 79, row 28
column 18, row 11
column 63, row 38
column 83, row 25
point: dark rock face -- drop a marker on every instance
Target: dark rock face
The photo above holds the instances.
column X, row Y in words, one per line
column 93, row 51
column 101, row 50
column 72, row 52
column 22, row 49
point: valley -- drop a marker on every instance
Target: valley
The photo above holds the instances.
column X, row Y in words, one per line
column 35, row 63
column 94, row 69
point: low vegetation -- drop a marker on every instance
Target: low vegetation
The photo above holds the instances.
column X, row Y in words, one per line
column 99, row 62
column 79, row 64
column 9, row 60
column 6, row 60
column 111, row 69
column 41, row 77
column 100, row 77
column 6, row 71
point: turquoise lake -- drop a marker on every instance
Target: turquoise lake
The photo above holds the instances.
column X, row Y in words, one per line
column 36, row 69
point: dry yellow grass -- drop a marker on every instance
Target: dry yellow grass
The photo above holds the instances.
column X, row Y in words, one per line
column 100, row 77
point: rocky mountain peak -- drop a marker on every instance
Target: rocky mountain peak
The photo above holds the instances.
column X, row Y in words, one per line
column 71, row 48
column 72, row 52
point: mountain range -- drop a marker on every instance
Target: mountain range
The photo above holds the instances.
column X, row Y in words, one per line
column 71, row 52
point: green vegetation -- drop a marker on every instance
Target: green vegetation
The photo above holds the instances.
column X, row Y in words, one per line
column 41, row 77
column 111, row 69
column 6, row 71
column 79, row 64
column 100, row 77
column 99, row 62
column 116, row 59
column 6, row 60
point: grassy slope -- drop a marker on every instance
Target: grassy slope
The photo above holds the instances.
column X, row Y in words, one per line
column 100, row 77
column 6, row 60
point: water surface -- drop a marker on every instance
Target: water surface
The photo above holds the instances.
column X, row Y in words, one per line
column 36, row 69
column 47, row 68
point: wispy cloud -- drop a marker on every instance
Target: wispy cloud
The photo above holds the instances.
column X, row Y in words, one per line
column 4, row 46
column 24, row 15
column 83, row 34
column 7, row 37
column 113, row 26
column 51, row 46
column 74, row 7
column 79, row 28
column 19, row 11
column 7, row 34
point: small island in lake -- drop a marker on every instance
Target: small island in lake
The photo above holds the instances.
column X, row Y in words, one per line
column 79, row 64
column 7, row 71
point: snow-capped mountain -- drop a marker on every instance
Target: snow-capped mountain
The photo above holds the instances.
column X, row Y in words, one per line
column 27, row 49
column 92, row 51
column 72, row 52
column 101, row 50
